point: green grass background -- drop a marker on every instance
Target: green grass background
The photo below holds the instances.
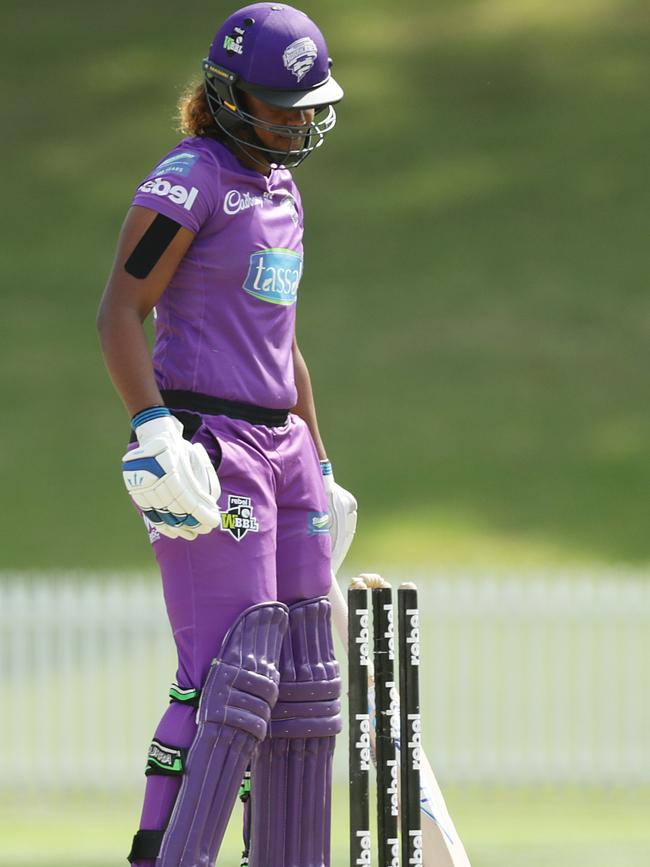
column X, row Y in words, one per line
column 474, row 307
column 499, row 828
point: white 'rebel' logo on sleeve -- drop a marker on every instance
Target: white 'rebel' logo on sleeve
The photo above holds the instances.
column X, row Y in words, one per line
column 299, row 57
column 176, row 193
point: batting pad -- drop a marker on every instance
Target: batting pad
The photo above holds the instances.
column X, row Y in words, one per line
column 292, row 771
column 233, row 716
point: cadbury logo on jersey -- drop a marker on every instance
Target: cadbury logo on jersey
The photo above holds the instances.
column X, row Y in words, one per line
column 235, row 202
column 176, row 193
column 274, row 276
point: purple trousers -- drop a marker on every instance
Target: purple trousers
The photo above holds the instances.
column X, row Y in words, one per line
column 273, row 545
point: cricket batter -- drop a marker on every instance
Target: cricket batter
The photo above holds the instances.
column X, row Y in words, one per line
column 226, row 463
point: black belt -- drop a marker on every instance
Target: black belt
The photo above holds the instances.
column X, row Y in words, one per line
column 208, row 405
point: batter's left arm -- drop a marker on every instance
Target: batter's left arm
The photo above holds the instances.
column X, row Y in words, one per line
column 342, row 505
column 305, row 407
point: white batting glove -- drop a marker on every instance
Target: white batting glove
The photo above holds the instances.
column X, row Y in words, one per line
column 343, row 516
column 171, row 480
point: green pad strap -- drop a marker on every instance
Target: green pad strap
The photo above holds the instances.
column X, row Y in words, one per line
column 184, row 695
column 245, row 788
column 164, row 759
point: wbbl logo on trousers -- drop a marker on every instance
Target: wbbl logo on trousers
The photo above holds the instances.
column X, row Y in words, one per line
column 239, row 519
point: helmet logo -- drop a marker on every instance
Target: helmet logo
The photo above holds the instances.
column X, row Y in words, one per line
column 234, row 42
column 299, row 57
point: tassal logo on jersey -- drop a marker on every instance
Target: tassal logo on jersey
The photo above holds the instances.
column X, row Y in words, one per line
column 274, row 276
column 176, row 193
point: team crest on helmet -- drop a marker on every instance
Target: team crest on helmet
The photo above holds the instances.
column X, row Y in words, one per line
column 239, row 519
column 299, row 57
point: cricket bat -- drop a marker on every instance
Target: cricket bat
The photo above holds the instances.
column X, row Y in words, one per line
column 441, row 845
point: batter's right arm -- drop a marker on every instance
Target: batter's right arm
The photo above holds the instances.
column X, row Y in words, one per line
column 126, row 303
column 171, row 481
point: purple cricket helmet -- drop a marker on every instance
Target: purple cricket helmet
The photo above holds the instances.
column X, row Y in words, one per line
column 276, row 53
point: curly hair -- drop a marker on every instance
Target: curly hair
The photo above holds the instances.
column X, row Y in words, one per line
column 194, row 115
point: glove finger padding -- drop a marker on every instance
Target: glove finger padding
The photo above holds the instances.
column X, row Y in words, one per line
column 172, row 481
column 198, row 485
column 177, row 532
column 203, row 469
column 343, row 520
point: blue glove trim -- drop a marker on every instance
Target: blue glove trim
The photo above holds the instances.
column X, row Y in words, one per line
column 148, row 415
column 151, row 465
column 326, row 468
column 171, row 520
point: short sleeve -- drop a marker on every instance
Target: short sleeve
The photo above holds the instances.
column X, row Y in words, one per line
column 183, row 187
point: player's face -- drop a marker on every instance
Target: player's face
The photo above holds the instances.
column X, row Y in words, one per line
column 272, row 114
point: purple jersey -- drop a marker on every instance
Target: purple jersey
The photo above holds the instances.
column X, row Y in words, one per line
column 225, row 323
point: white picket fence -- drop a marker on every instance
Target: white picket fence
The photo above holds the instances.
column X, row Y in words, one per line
column 528, row 679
